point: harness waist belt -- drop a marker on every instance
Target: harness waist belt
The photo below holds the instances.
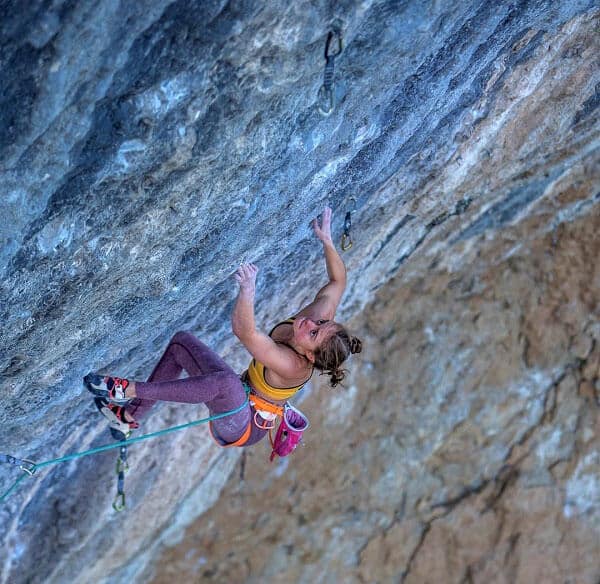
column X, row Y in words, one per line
column 265, row 405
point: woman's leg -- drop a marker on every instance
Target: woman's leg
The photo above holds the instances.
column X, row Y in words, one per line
column 210, row 381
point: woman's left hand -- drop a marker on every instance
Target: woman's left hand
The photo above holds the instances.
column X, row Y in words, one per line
column 245, row 276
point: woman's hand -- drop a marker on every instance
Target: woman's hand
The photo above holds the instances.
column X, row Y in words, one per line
column 323, row 231
column 246, row 277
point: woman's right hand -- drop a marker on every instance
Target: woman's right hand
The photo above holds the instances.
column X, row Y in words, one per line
column 323, row 231
column 245, row 276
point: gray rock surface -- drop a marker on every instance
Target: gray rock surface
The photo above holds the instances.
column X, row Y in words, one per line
column 148, row 148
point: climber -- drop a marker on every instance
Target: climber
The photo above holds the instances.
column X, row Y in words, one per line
column 283, row 361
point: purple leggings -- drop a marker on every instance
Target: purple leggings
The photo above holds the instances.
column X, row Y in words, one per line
column 211, row 381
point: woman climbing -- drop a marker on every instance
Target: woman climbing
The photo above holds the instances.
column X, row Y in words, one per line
column 283, row 361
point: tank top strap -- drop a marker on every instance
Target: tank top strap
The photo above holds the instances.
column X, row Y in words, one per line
column 286, row 321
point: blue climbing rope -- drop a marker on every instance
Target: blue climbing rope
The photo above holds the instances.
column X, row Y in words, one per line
column 29, row 468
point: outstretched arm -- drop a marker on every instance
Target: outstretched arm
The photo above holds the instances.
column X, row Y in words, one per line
column 328, row 298
column 262, row 347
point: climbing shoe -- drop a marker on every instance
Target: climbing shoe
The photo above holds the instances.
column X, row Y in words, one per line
column 111, row 389
column 120, row 427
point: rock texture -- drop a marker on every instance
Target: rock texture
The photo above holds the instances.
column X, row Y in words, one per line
column 150, row 147
column 465, row 448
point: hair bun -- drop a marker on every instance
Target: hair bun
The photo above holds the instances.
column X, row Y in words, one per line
column 355, row 345
column 336, row 376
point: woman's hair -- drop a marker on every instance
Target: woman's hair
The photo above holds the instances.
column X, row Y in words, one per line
column 333, row 351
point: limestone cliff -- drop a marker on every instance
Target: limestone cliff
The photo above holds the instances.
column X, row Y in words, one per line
column 148, row 148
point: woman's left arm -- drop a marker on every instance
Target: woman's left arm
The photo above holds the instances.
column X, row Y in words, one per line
column 329, row 296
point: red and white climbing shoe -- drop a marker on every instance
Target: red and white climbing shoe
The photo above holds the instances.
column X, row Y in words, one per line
column 111, row 389
column 120, row 426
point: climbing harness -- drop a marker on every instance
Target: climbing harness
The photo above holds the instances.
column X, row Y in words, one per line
column 266, row 410
column 288, row 435
column 333, row 48
column 29, row 467
column 346, row 237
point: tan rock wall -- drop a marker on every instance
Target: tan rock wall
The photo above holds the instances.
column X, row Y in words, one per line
column 465, row 447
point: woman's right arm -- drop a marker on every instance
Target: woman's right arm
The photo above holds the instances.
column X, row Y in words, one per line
column 262, row 347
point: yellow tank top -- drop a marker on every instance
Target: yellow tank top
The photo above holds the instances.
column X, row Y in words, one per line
column 256, row 377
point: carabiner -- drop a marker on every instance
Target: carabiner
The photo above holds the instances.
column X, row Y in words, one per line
column 353, row 202
column 333, row 48
column 30, row 467
column 326, row 100
column 346, row 242
column 331, row 53
column 346, row 237
column 266, row 425
column 119, row 502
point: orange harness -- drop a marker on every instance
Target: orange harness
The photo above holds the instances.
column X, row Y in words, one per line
column 260, row 404
column 239, row 442
column 263, row 405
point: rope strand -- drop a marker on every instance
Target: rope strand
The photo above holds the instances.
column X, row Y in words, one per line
column 105, row 447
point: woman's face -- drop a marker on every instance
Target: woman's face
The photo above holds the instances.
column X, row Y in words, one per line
column 310, row 334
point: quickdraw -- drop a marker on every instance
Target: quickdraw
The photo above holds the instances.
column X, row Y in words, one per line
column 333, row 48
column 347, row 242
column 122, row 468
column 27, row 466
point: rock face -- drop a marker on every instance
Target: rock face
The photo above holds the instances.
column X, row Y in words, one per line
column 148, row 148
column 465, row 447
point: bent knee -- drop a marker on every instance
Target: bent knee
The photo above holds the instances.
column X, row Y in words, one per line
column 182, row 337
